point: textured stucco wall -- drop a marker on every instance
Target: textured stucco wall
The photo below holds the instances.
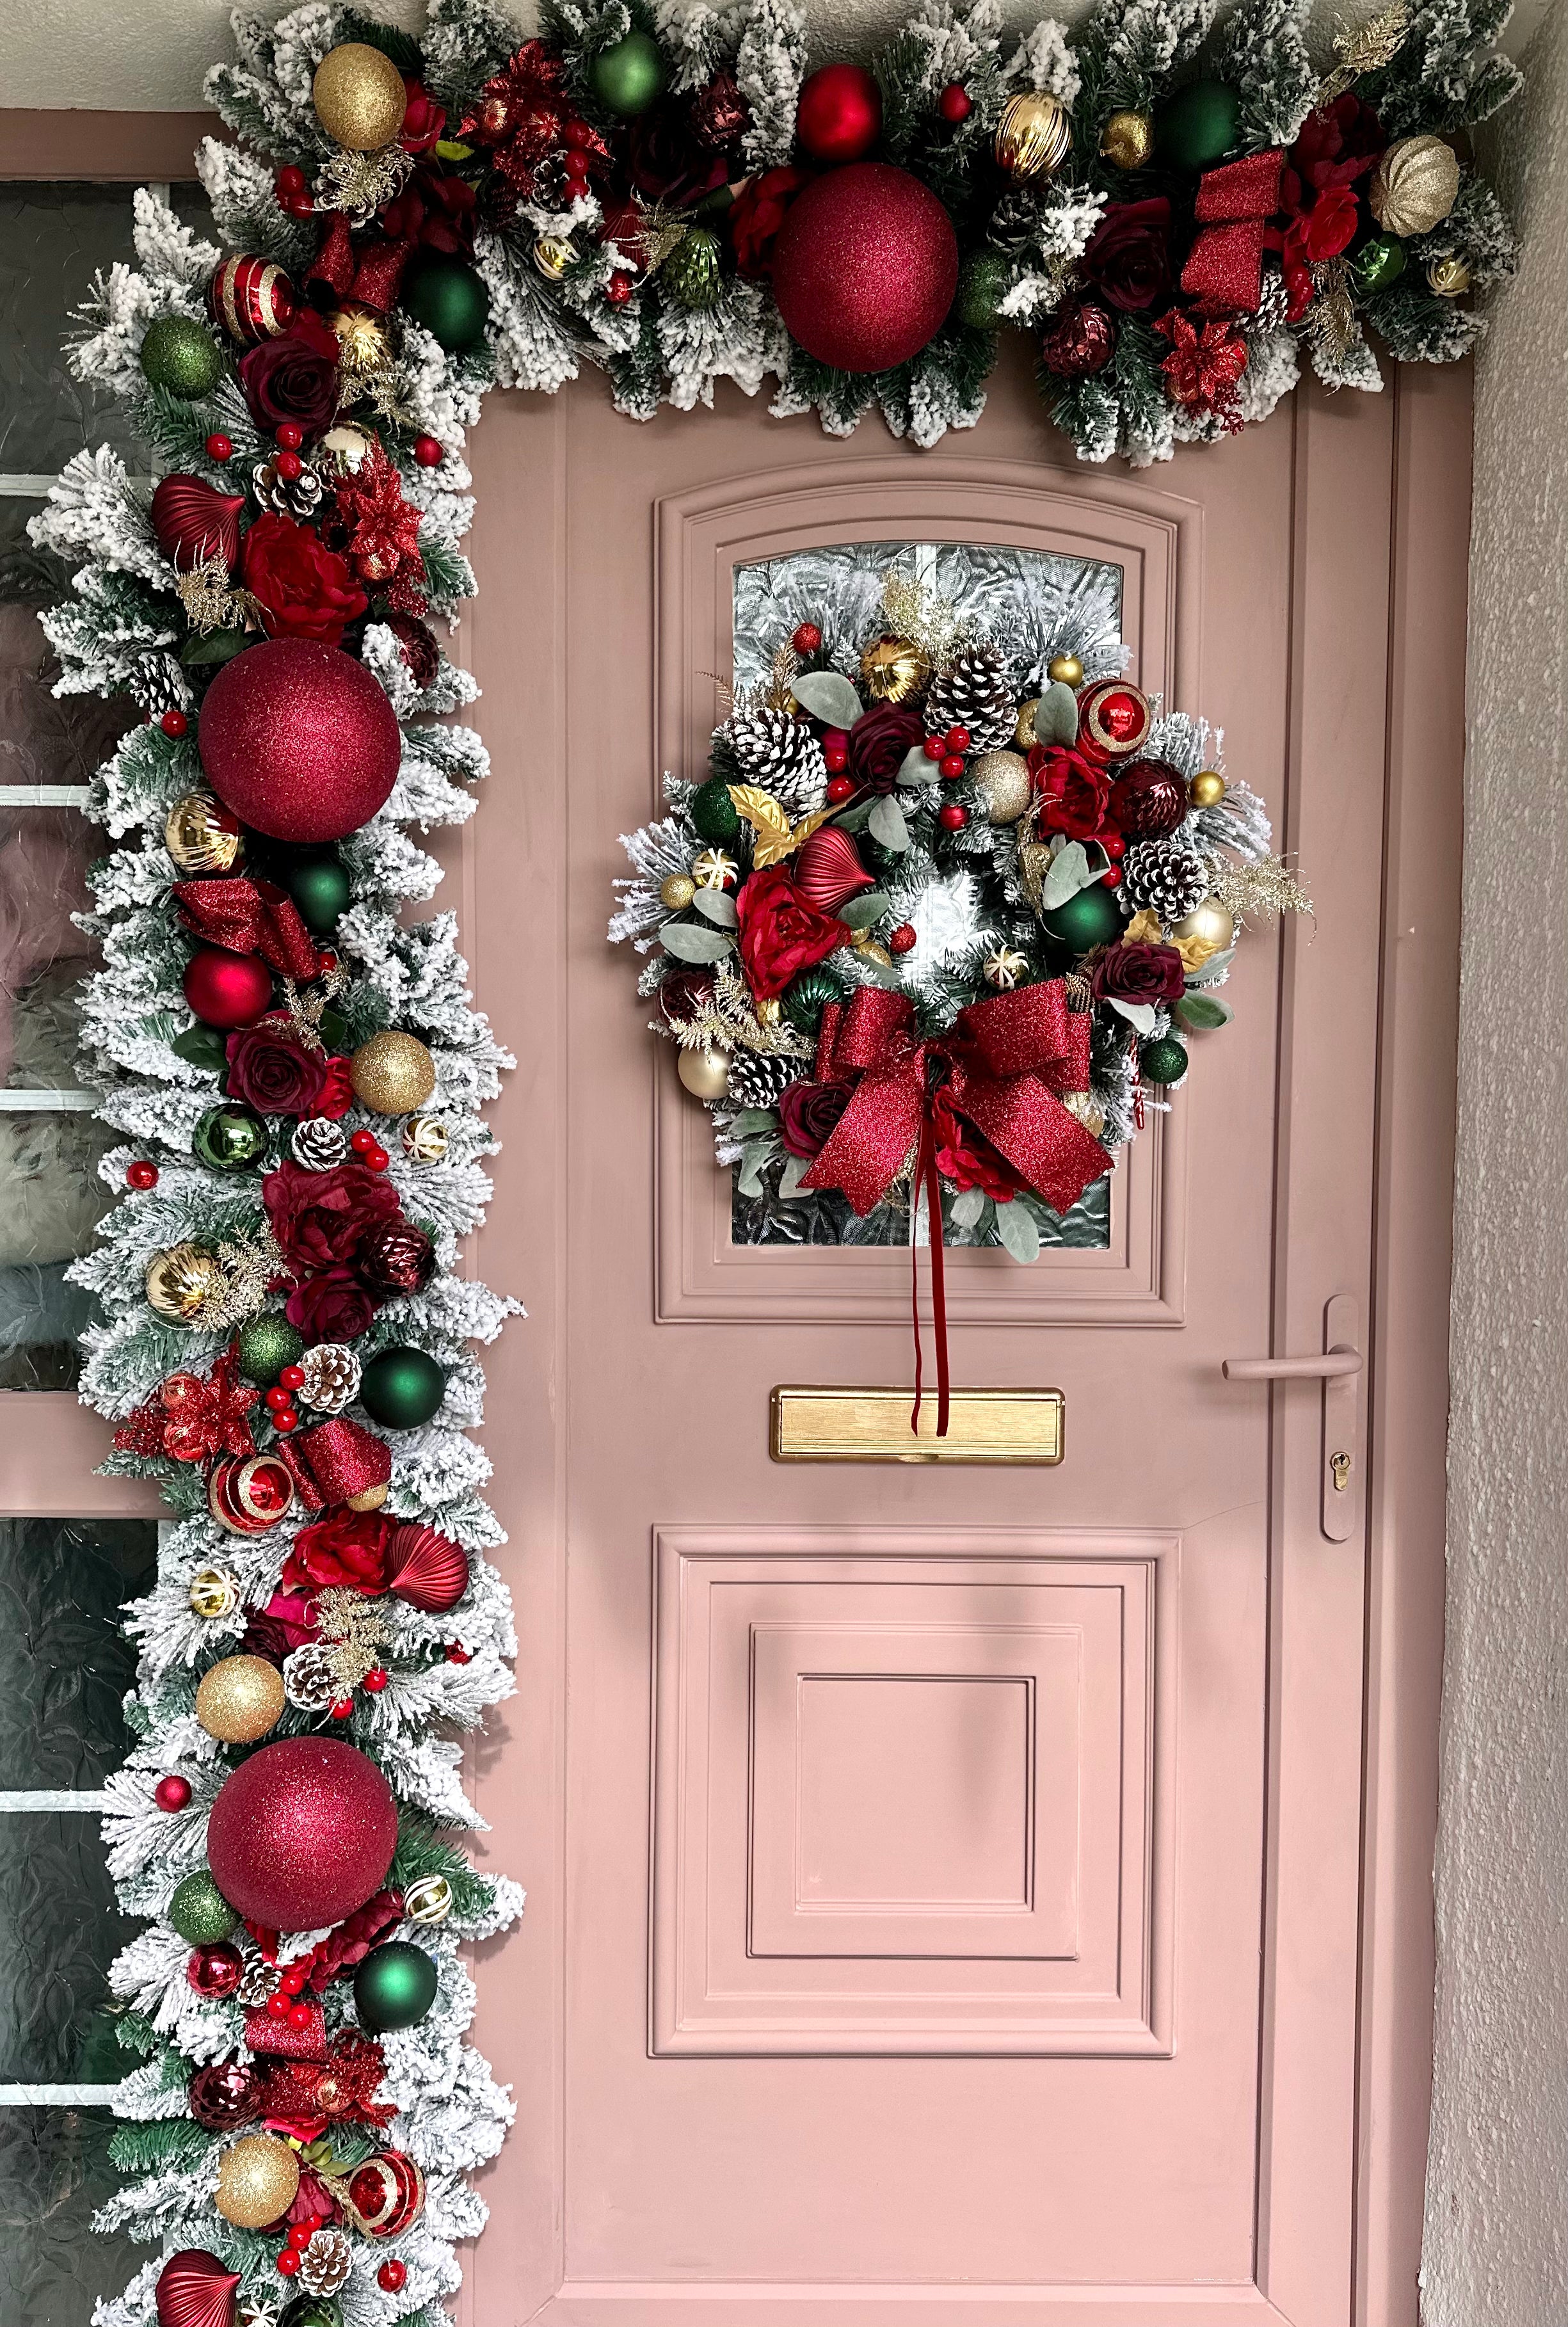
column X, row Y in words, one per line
column 1496, row 2251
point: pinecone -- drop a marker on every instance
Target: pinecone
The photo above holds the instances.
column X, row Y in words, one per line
column 1170, row 880
column 757, row 1078
column 257, row 1981
column 974, row 691
column 326, row 2262
column 286, row 496
column 309, row 1680
column 776, row 749
column 319, row 1143
column 331, row 1376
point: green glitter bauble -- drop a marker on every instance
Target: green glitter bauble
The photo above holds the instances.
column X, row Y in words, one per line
column 1164, row 1061
column 691, row 273
column 807, row 996
column 449, row 298
column 1088, row 918
column 402, row 1388
column 268, row 1344
column 394, row 1988
column 713, row 812
column 982, row 280
column 1198, row 126
column 319, row 889
column 231, row 1137
column 181, row 356
column 200, row 1913
column 627, row 77
column 1379, row 262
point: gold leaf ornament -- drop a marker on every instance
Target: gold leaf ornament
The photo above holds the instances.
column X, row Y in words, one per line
column 777, row 837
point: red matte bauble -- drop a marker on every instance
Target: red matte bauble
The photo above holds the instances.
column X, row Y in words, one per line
column 302, row 1834
column 299, row 740
column 193, row 521
column 839, row 117
column 226, row 989
column 1149, row 799
column 425, row 1569
column 225, row 2094
column 194, row 2290
column 828, row 871
column 864, row 267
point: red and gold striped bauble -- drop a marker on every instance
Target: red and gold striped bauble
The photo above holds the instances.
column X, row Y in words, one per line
column 1116, row 715
column 385, row 2194
column 253, row 299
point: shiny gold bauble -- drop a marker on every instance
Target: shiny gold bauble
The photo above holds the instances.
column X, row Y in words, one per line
column 358, row 97
column 392, row 1073
column 239, row 1700
column 347, row 446
column 1023, row 726
column 1208, row 789
column 213, row 1591
column 1034, row 135
column 893, row 669
column 1065, row 670
column 180, row 1281
column 1449, row 277
column 428, row 1900
column 1414, row 186
column 1001, row 780
column 1212, row 923
column 258, row 2178
column 676, row 891
column 553, row 253
column 705, row 1073
column 1127, row 140
column 425, row 1139
column 363, row 347
column 196, row 836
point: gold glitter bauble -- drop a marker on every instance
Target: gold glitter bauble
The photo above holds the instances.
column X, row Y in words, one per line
column 705, row 1073
column 258, row 2178
column 1414, row 186
column 1003, row 781
column 363, row 347
column 200, row 835
column 713, row 870
column 239, row 1701
column 1065, row 670
column 1212, row 923
column 180, row 1281
column 1207, row 788
column 1034, row 135
column 369, row 1498
column 893, row 669
column 1023, row 726
column 1127, row 140
column 427, row 1900
column 425, row 1139
column 676, row 891
column 392, row 1073
column 553, row 253
column 1449, row 277
column 1004, row 967
column 358, row 97
column 213, row 1591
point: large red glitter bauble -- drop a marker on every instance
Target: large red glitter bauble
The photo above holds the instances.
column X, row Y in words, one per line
column 226, row 989
column 839, row 117
column 299, row 740
column 194, row 2290
column 864, row 267
column 302, row 1834
column 425, row 1569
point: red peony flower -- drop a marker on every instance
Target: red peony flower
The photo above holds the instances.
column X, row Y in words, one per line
column 304, row 590
column 337, row 1088
column 808, row 1113
column 965, row 1156
column 1128, row 256
column 1130, row 971
column 1319, row 207
column 332, row 1308
column 756, row 216
column 781, row 934
column 1073, row 788
column 343, row 1547
column 879, row 741
column 293, row 377
column 424, row 121
column 272, row 1072
column 322, row 1219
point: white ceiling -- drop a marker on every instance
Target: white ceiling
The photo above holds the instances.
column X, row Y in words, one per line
column 133, row 55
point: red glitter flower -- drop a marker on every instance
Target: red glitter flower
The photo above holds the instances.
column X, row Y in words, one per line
column 1204, row 367
column 378, row 531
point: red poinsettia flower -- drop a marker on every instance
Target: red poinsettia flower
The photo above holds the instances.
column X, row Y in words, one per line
column 378, row 531
column 1204, row 368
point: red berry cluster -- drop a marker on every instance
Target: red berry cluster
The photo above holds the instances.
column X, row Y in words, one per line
column 369, row 1150
column 280, row 1400
column 293, row 196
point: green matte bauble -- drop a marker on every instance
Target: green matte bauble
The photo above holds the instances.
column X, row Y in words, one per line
column 629, row 77
column 691, row 271
column 1164, row 1062
column 181, row 356
column 1089, row 918
column 200, row 1913
column 713, row 812
column 402, row 1388
column 1198, row 126
column 807, row 996
column 268, row 1344
column 982, row 281
column 394, row 1988
column 1379, row 262
column 449, row 298
column 320, row 888
column 231, row 1137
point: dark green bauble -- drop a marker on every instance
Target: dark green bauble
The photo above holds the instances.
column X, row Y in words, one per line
column 1089, row 918
column 1198, row 126
column 402, row 1388
column 1379, row 262
column 319, row 886
column 449, row 298
column 200, row 1913
column 311, row 2311
column 394, row 1988
column 691, row 273
column 807, row 996
column 1164, row 1062
column 268, row 1344
column 181, row 356
column 713, row 812
column 231, row 1137
column 982, row 281
column 630, row 76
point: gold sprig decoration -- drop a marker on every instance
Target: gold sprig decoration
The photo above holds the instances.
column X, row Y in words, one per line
column 353, row 1633
column 918, row 612
column 776, row 692
column 307, row 1009
column 1364, row 48
column 358, row 184
column 726, row 1020
column 1260, row 889
column 1331, row 318
column 248, row 1269
column 212, row 603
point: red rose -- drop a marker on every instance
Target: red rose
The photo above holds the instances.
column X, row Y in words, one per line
column 1073, row 788
column 304, row 590
column 424, row 120
column 808, row 1113
column 1133, row 972
column 332, row 1308
column 294, row 377
column 272, row 1072
column 337, row 1088
column 756, row 216
column 343, row 1547
column 1337, row 144
column 1128, row 257
column 781, row 934
column 287, row 1622
column 965, row 1156
column 879, row 741
column 322, row 1219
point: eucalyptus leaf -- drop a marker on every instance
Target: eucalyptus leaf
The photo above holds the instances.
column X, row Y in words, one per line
column 1200, row 1010
column 1056, row 719
column 828, row 697
column 749, row 1180
column 857, row 817
column 1019, row 1231
column 886, row 824
column 917, row 766
column 201, row 1046
column 689, row 942
column 967, row 1208
column 862, row 911
column 1071, row 871
column 1140, row 1015
column 1210, row 972
column 754, row 1123
column 718, row 906
column 794, row 1171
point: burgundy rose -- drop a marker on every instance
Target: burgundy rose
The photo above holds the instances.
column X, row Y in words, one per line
column 294, row 377
column 665, row 159
column 351, row 1940
column 781, row 934
column 272, row 1637
column 1128, row 258
column 332, row 1308
column 436, row 210
column 322, row 1219
column 808, row 1113
column 304, row 590
column 1073, row 788
column 1134, row 972
column 756, row 216
column 272, row 1072
column 965, row 1156
column 878, row 742
column 343, row 1547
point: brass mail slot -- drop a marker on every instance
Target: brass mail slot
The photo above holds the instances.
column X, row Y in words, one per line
column 872, row 1426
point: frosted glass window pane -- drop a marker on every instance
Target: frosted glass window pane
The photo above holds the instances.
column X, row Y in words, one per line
column 54, row 238
column 64, row 1667
column 55, row 2170
column 60, row 1930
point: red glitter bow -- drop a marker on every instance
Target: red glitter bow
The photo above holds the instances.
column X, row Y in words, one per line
column 1224, row 268
column 190, row 1419
column 247, row 916
column 367, row 277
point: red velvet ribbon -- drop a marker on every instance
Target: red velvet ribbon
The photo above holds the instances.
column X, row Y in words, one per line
column 1224, row 268
column 247, row 916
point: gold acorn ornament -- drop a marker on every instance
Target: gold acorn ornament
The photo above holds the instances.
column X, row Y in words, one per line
column 201, row 836
column 675, row 891
column 393, row 1073
column 1414, row 186
column 180, row 1281
column 1003, row 782
column 240, row 1699
column 428, row 1900
column 1065, row 670
column 1449, row 277
column 257, row 2179
column 894, row 669
column 358, row 97
column 1127, row 140
column 1208, row 787
column 705, row 1073
column 1034, row 135
column 213, row 1591
column 425, row 1139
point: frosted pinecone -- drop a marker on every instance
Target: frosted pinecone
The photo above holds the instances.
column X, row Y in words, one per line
column 775, row 749
column 319, row 1143
column 758, row 1077
column 309, row 1679
column 1166, row 878
column 974, row 691
column 331, row 1377
column 326, row 2262
column 286, row 496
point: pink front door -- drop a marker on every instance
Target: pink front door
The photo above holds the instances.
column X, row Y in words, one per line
column 944, row 1883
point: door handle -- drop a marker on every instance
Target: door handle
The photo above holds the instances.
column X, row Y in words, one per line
column 1330, row 1366
column 1336, row 1367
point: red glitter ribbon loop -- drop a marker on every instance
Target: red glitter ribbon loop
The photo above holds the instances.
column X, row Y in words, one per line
column 1224, row 268
column 245, row 916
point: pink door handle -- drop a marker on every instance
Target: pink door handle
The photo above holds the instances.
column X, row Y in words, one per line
column 1330, row 1366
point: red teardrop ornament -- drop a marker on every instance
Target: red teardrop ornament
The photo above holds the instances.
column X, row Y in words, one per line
column 194, row 2290
column 828, row 871
column 425, row 1569
column 193, row 521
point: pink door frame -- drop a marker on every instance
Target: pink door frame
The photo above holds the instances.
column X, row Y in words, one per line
column 49, row 1444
